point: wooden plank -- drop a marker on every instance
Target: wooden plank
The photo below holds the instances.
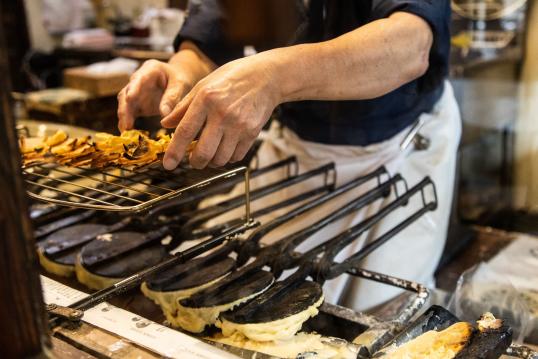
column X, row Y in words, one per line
column 101, row 343
column 61, row 349
column 23, row 332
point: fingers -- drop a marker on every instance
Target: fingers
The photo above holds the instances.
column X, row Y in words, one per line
column 226, row 149
column 242, row 149
column 171, row 96
column 143, row 84
column 126, row 115
column 174, row 117
column 207, row 145
column 186, row 130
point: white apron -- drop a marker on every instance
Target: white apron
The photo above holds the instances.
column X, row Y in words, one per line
column 414, row 253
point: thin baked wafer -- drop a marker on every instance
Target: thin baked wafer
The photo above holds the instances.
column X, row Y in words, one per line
column 133, row 148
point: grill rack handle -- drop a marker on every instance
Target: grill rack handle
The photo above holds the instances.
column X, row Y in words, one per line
column 325, row 268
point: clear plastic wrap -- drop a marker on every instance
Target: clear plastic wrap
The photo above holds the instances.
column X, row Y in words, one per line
column 481, row 289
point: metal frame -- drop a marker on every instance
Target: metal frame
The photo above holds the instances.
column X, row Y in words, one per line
column 98, row 197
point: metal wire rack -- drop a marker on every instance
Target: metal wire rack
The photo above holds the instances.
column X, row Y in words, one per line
column 122, row 190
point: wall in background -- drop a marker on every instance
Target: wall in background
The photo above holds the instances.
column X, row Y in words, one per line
column 526, row 140
column 39, row 37
column 132, row 7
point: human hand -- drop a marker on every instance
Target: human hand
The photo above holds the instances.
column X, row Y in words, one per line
column 153, row 89
column 230, row 106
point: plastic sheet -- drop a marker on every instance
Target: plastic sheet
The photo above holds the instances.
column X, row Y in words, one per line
column 481, row 289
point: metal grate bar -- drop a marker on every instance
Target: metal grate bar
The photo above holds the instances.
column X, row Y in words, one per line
column 167, row 177
column 81, row 186
column 161, row 177
column 69, row 193
column 131, row 178
column 109, row 182
column 102, row 193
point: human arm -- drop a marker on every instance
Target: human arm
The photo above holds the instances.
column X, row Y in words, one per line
column 233, row 103
column 366, row 63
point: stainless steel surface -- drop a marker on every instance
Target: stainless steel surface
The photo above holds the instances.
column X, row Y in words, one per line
column 99, row 197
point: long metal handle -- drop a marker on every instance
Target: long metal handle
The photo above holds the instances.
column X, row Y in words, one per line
column 212, row 190
column 329, row 270
column 219, row 228
column 261, row 231
column 288, row 258
column 136, row 279
column 211, row 212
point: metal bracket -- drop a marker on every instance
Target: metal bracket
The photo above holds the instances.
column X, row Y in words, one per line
column 73, row 315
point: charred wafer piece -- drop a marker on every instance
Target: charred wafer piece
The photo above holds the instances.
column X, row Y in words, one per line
column 269, row 316
column 203, row 308
column 115, row 256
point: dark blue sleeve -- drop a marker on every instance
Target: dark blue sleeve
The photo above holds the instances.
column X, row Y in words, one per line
column 437, row 14
column 204, row 26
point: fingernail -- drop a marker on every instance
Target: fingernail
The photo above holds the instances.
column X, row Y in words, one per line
column 170, row 163
column 166, row 109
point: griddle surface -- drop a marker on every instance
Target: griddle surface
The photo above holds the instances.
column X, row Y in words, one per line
column 288, row 301
column 219, row 294
column 178, row 278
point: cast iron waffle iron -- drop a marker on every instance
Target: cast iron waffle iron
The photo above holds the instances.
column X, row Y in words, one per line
column 112, row 257
column 290, row 302
column 59, row 250
column 203, row 308
column 271, row 252
column 169, row 287
column 486, row 344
